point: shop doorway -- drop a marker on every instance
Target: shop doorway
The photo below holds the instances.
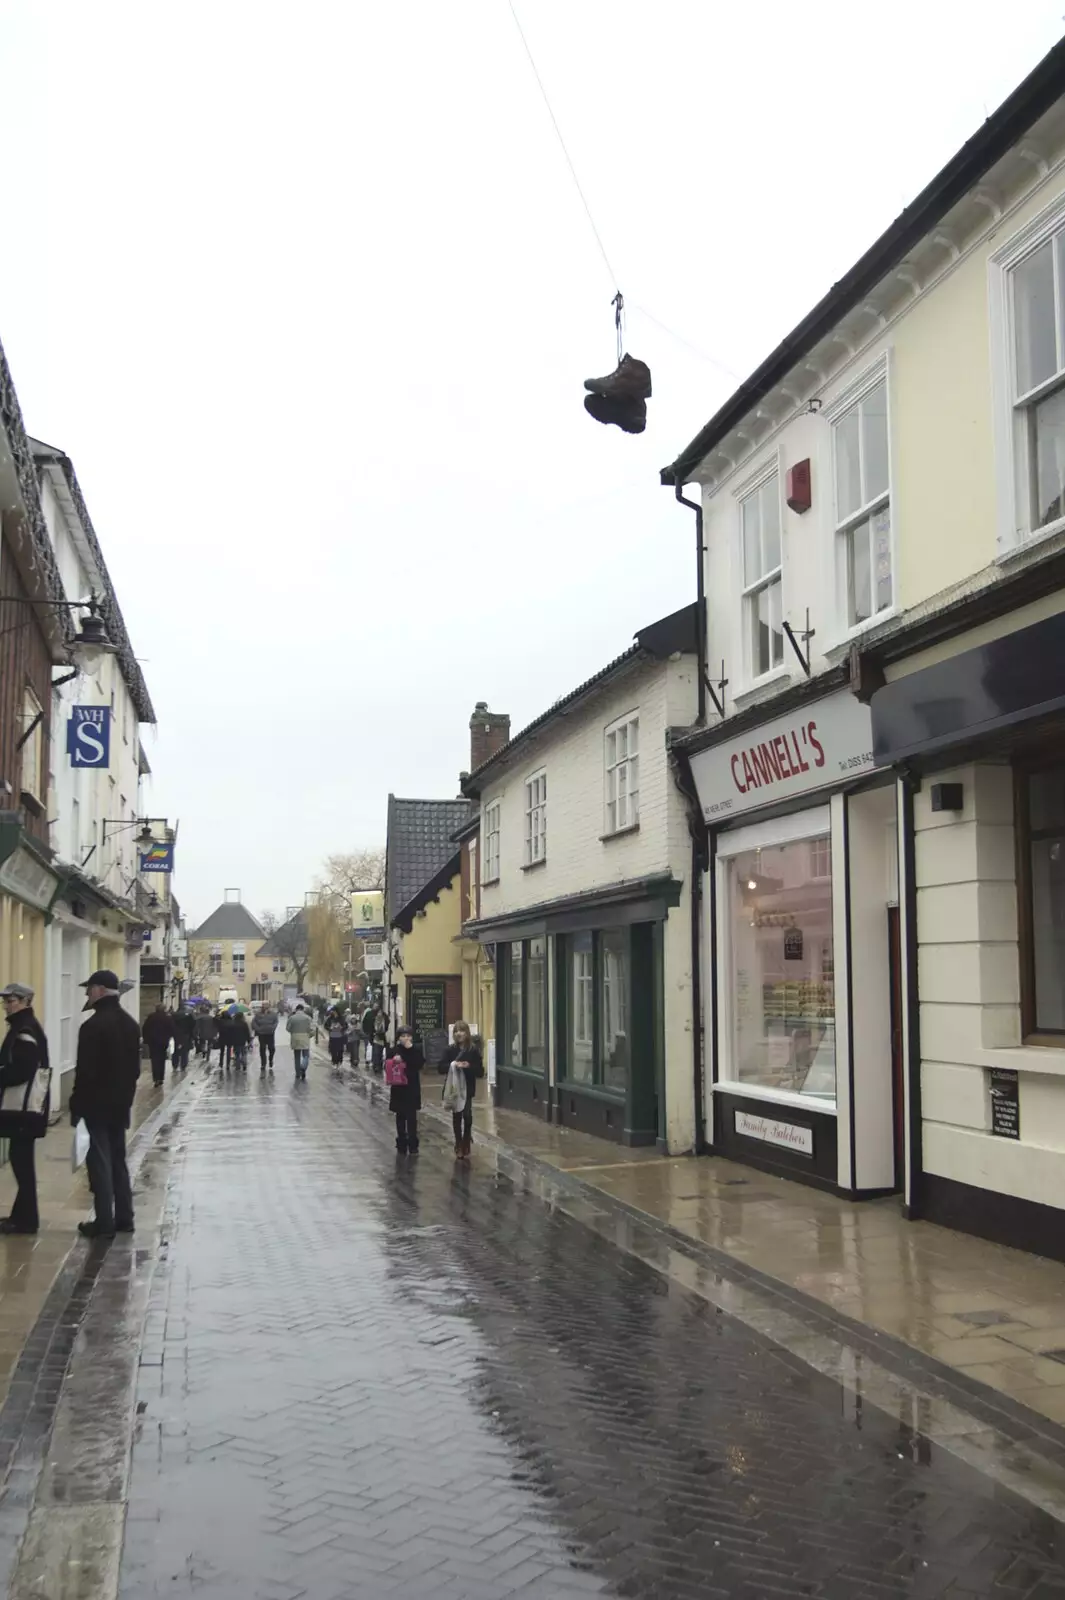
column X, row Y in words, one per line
column 897, row 1087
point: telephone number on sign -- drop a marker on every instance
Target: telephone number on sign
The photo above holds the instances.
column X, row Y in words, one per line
column 853, row 762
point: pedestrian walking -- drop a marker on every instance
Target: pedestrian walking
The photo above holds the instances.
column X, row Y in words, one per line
column 354, row 1040
column 338, row 1034
column 184, row 1033
column 241, row 1042
column 226, row 1039
column 105, row 1081
column 403, row 1071
column 24, row 1102
column 158, row 1032
column 206, row 1033
column 264, row 1027
column 300, row 1027
column 466, row 1056
column 378, row 1033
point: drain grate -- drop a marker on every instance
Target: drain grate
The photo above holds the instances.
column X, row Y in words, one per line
column 985, row 1319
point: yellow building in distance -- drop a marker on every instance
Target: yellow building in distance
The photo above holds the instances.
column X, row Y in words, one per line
column 224, row 957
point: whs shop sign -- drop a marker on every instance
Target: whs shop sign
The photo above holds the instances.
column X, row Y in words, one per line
column 89, row 736
column 822, row 743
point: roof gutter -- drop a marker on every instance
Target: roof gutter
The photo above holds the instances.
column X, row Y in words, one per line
column 1028, row 102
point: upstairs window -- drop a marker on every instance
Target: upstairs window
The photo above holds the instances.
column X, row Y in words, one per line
column 238, row 961
column 1038, row 295
column 536, row 819
column 216, row 960
column 623, row 774
column 31, row 737
column 762, row 594
column 491, row 843
column 863, row 508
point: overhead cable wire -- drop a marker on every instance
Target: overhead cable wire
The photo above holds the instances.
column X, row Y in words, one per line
column 562, row 142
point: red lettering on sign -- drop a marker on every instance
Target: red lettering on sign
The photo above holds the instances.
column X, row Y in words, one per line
column 782, row 755
column 804, row 766
column 758, row 762
column 735, row 776
column 752, row 781
column 819, row 758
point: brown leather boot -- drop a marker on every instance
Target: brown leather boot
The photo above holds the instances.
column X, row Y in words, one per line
column 630, row 380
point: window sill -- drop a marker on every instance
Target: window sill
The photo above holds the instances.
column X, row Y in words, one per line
column 758, row 685
column 488, row 883
column 594, row 1091
column 1024, row 544
column 30, row 801
column 619, row 833
column 780, row 1097
column 534, row 866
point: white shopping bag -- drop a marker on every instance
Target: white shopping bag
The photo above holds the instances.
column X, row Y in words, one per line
column 80, row 1146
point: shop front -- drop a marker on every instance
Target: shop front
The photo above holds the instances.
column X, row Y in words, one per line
column 977, row 723
column 800, row 948
column 579, row 1009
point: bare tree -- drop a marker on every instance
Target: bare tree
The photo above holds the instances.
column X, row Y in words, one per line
column 197, row 971
column 269, row 921
column 326, row 927
column 291, row 939
column 349, row 871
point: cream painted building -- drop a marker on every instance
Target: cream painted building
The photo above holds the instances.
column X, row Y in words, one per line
column 880, row 764
column 224, row 954
column 584, row 860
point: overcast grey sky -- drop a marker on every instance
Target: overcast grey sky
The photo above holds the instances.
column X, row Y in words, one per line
column 308, row 296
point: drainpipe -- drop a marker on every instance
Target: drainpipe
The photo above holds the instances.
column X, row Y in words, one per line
column 700, row 594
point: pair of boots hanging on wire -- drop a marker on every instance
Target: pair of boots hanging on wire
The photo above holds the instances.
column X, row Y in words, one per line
column 621, row 397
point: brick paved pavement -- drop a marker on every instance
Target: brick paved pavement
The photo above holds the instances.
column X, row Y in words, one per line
column 364, row 1376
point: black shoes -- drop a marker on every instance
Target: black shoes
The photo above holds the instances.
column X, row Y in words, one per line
column 621, row 397
column 630, row 380
column 93, row 1230
column 628, row 415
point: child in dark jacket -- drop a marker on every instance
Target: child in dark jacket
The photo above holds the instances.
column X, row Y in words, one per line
column 405, row 1099
column 466, row 1055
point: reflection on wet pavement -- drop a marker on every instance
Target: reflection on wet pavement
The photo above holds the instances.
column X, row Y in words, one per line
column 364, row 1375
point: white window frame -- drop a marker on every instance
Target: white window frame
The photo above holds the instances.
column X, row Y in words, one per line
column 237, row 960
column 214, row 961
column 812, row 823
column 618, row 776
column 534, row 794
column 492, row 819
column 1013, row 457
column 767, row 579
column 31, row 756
column 843, row 525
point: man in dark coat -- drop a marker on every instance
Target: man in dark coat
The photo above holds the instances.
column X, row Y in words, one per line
column 158, row 1032
column 105, row 1081
column 184, row 1031
column 23, row 1051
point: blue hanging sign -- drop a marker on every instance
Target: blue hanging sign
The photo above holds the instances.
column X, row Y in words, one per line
column 89, row 736
column 158, row 858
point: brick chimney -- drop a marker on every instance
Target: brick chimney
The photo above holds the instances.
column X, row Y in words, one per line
column 489, row 732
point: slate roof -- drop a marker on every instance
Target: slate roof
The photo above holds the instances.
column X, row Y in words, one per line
column 230, row 920
column 272, row 946
column 418, row 845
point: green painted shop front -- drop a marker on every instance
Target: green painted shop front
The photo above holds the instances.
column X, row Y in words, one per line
column 579, row 1020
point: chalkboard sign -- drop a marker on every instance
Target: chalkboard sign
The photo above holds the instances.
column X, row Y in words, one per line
column 426, row 1009
column 792, row 944
column 1005, row 1103
column 434, row 1045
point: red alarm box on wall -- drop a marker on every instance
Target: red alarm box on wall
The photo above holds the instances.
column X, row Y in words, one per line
column 799, row 495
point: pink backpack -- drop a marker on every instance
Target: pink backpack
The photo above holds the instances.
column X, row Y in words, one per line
column 396, row 1070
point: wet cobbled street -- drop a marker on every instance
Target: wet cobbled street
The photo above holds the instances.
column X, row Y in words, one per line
column 370, row 1375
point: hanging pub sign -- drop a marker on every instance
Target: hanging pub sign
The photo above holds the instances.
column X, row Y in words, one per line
column 158, row 858
column 89, row 736
column 793, row 944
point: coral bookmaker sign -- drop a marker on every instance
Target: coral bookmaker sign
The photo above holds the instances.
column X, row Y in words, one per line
column 89, row 736
column 825, row 742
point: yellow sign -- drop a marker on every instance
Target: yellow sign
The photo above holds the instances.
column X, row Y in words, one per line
column 368, row 913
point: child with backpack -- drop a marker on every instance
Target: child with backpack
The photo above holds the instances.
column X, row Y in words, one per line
column 403, row 1074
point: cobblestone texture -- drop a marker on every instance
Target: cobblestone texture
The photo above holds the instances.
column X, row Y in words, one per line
column 366, row 1376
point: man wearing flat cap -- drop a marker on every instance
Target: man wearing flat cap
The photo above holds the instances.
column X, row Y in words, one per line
column 23, row 1053
column 105, row 1080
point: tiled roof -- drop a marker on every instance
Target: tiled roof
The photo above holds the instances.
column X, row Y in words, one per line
column 285, row 941
column 419, row 844
column 230, row 920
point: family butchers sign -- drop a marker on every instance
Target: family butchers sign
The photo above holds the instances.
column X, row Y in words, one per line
column 825, row 742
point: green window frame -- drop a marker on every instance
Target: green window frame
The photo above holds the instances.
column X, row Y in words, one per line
column 595, row 983
column 523, row 1005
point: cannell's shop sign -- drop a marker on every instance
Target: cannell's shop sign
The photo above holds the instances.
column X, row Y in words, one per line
column 825, row 742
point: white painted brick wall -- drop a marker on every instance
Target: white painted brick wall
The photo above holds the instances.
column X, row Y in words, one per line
column 572, row 751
